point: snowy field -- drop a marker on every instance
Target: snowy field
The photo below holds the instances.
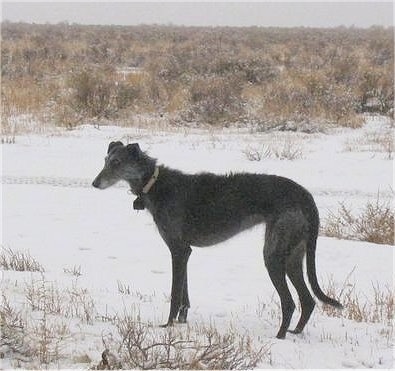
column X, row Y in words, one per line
column 94, row 243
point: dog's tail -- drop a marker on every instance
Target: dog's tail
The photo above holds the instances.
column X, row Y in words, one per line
column 312, row 274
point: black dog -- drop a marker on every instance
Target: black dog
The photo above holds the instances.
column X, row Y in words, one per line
column 205, row 209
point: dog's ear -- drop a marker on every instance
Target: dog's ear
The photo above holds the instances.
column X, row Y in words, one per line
column 112, row 145
column 134, row 150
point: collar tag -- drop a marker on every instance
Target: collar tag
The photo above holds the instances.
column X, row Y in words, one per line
column 138, row 203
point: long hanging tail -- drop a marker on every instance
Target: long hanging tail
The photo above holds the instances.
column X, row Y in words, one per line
column 312, row 275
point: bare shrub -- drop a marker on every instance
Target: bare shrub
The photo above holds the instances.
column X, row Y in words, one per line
column 375, row 307
column 301, row 97
column 72, row 302
column 43, row 296
column 143, row 347
column 216, row 100
column 289, row 74
column 18, row 261
column 25, row 95
column 123, row 288
column 74, row 271
column 376, row 141
column 93, row 92
column 374, row 224
column 256, row 154
column 289, row 150
column 25, row 339
column 47, row 339
column 13, row 330
column 375, row 90
column 81, row 304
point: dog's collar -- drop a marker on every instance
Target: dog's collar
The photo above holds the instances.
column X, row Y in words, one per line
column 152, row 181
column 138, row 203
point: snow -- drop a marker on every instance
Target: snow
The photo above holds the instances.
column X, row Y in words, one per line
column 51, row 211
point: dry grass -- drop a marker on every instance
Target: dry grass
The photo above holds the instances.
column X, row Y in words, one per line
column 74, row 271
column 23, row 102
column 374, row 307
column 377, row 142
column 38, row 335
column 13, row 330
column 31, row 341
column 141, row 346
column 18, row 261
column 287, row 150
column 35, row 328
column 219, row 76
column 123, row 289
column 48, row 336
column 257, row 154
column 72, row 302
column 374, row 224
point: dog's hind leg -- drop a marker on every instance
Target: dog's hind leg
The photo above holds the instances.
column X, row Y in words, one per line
column 277, row 275
column 294, row 271
column 275, row 254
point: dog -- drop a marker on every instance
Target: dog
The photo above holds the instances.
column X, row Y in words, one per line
column 204, row 209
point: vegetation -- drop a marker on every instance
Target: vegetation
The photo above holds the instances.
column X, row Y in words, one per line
column 67, row 74
column 374, row 224
column 18, row 261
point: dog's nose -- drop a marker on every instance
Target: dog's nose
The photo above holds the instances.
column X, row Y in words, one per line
column 95, row 183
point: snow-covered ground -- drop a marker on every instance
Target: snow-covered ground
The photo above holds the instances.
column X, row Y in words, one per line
column 50, row 210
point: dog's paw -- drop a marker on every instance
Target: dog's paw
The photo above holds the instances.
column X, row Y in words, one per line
column 295, row 332
column 168, row 324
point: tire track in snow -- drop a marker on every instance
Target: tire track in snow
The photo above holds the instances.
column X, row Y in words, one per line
column 52, row 181
column 87, row 183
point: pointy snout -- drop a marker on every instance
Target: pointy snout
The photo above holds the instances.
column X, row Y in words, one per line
column 104, row 180
column 96, row 182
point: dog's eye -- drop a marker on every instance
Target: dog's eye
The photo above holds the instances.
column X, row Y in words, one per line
column 115, row 163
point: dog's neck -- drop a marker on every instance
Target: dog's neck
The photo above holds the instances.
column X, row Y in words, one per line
column 139, row 202
column 143, row 182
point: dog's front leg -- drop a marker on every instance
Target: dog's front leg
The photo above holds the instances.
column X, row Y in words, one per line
column 185, row 305
column 179, row 258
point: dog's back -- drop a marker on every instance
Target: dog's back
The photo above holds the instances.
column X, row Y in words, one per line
column 214, row 208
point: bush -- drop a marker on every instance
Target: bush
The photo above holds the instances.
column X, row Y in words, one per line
column 216, row 100
column 93, row 92
column 375, row 223
column 101, row 92
column 140, row 346
column 216, row 75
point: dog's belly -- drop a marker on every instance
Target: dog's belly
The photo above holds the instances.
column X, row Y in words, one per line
column 208, row 235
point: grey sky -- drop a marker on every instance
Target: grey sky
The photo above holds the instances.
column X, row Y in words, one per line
column 242, row 13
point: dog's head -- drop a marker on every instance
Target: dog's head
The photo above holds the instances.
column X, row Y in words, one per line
column 121, row 163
